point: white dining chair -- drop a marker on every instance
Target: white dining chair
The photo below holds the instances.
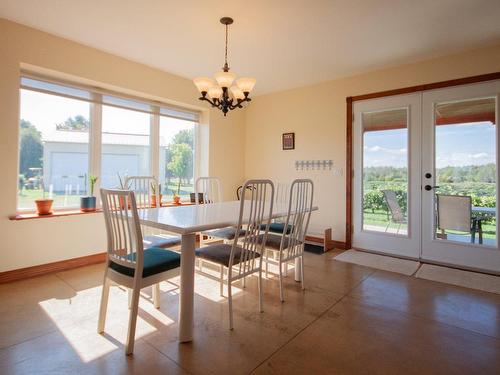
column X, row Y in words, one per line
column 290, row 244
column 143, row 186
column 240, row 260
column 127, row 263
column 209, row 188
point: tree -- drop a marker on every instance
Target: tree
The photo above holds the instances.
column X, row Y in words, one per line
column 184, row 136
column 31, row 148
column 78, row 123
column 181, row 162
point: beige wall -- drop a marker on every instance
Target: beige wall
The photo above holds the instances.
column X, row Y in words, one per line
column 317, row 115
column 32, row 242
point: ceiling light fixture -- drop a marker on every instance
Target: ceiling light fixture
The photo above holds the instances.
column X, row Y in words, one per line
column 221, row 94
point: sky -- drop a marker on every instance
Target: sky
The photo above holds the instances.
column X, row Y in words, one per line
column 45, row 111
column 456, row 145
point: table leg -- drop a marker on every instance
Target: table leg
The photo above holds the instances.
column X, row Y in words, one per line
column 298, row 267
column 187, row 288
column 480, row 230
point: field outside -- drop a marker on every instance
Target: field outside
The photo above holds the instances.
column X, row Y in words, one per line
column 478, row 182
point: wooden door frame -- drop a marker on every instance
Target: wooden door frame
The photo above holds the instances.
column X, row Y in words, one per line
column 406, row 90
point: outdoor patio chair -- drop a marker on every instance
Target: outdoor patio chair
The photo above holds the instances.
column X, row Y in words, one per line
column 396, row 212
column 454, row 212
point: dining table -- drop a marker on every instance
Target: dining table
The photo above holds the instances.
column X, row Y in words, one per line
column 187, row 221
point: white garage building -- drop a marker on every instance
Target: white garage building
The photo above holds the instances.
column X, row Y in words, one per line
column 65, row 159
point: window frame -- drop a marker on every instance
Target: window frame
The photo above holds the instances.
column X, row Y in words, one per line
column 95, row 130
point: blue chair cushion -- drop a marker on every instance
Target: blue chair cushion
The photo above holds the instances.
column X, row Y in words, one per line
column 225, row 233
column 220, row 254
column 277, row 228
column 156, row 260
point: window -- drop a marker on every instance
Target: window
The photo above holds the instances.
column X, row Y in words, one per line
column 125, row 145
column 53, row 149
column 69, row 133
column 176, row 156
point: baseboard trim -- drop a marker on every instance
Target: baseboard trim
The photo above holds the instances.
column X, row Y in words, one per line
column 43, row 269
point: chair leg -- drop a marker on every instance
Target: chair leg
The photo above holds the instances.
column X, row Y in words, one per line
column 104, row 305
column 129, row 348
column 156, row 295
column 259, row 283
column 282, row 298
column 267, row 263
column 129, row 294
column 230, row 303
column 302, row 271
column 222, row 280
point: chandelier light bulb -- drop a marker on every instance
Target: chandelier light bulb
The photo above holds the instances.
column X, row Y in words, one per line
column 237, row 93
column 246, row 84
column 215, row 92
column 225, row 79
column 203, row 84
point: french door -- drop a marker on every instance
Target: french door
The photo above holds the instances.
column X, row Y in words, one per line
column 425, row 172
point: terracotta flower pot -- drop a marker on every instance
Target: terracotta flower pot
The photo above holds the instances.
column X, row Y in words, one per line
column 44, row 206
column 177, row 199
column 154, row 201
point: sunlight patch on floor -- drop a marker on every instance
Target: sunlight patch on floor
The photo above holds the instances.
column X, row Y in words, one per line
column 80, row 330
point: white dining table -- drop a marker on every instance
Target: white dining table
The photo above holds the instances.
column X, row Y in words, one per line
column 187, row 221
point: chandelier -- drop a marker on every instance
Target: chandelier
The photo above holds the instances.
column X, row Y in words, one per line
column 220, row 93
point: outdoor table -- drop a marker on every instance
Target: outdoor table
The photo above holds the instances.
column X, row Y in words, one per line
column 477, row 225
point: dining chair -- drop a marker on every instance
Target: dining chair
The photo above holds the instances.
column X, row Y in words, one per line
column 143, row 187
column 127, row 263
column 454, row 212
column 242, row 259
column 396, row 211
column 209, row 188
column 290, row 244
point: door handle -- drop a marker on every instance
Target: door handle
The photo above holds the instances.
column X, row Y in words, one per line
column 429, row 187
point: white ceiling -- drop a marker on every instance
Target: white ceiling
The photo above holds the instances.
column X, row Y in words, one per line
column 283, row 43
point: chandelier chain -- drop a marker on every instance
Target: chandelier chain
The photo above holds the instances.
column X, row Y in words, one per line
column 225, row 54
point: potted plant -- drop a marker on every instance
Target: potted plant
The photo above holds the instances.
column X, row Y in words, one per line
column 122, row 187
column 88, row 203
column 43, row 206
column 154, row 201
column 177, row 197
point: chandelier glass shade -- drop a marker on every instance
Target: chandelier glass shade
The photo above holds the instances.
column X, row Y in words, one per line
column 224, row 91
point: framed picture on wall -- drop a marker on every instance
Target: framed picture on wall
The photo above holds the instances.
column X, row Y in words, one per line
column 288, row 141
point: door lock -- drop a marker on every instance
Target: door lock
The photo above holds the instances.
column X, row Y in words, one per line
column 429, row 187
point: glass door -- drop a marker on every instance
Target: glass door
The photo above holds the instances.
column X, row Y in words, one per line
column 459, row 176
column 386, row 180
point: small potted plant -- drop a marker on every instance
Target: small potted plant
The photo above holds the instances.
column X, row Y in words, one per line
column 43, row 206
column 177, row 197
column 154, row 201
column 88, row 203
column 122, row 187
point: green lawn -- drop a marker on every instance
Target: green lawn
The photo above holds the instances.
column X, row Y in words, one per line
column 379, row 219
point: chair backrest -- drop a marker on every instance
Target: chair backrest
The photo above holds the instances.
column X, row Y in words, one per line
column 300, row 204
column 123, row 228
column 256, row 208
column 281, row 197
column 209, row 187
column 142, row 186
column 240, row 189
column 395, row 209
column 454, row 212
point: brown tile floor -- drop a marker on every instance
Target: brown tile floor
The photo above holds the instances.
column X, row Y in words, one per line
column 350, row 320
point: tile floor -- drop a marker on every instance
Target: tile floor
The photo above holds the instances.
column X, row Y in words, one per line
column 350, row 320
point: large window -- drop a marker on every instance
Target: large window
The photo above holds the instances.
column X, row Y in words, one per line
column 53, row 149
column 176, row 156
column 68, row 134
column 125, row 145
